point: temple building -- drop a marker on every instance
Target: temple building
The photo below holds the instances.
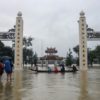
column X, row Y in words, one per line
column 51, row 57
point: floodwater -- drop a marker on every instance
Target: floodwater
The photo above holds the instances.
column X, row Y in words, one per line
column 28, row 85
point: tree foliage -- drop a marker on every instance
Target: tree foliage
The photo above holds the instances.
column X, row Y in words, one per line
column 1, row 45
column 91, row 57
column 35, row 59
column 92, row 54
column 76, row 50
column 28, row 55
column 69, row 58
column 6, row 50
column 97, row 52
column 27, row 41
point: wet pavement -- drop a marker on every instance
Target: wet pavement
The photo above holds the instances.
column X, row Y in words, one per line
column 27, row 85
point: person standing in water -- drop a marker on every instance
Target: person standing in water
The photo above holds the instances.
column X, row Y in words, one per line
column 8, row 69
column 1, row 69
column 62, row 68
column 74, row 68
column 55, row 69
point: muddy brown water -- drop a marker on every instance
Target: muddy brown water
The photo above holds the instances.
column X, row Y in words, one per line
column 27, row 85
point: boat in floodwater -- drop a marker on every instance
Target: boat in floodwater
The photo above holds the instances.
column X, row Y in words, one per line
column 46, row 71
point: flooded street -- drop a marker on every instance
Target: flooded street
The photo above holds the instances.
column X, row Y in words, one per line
column 55, row 86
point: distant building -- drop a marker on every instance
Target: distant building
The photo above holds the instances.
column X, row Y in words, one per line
column 51, row 57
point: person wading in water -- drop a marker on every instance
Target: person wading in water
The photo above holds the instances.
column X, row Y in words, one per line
column 8, row 69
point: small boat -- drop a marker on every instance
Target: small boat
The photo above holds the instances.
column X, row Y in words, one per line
column 46, row 71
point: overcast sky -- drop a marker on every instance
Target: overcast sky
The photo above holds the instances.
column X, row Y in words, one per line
column 53, row 23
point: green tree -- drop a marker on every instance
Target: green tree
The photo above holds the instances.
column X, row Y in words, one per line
column 7, row 51
column 1, row 48
column 35, row 59
column 30, row 55
column 27, row 53
column 1, row 44
column 69, row 58
column 24, row 56
column 91, row 57
column 93, row 54
column 27, row 41
column 76, row 50
column 97, row 52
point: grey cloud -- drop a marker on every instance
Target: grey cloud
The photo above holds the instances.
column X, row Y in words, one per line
column 52, row 21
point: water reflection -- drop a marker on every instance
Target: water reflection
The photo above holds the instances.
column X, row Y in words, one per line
column 84, row 86
column 8, row 91
column 1, row 87
column 17, row 85
column 5, row 91
column 12, row 90
column 1, row 90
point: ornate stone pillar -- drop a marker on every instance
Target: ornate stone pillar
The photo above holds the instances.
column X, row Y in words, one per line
column 19, row 42
column 83, row 42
